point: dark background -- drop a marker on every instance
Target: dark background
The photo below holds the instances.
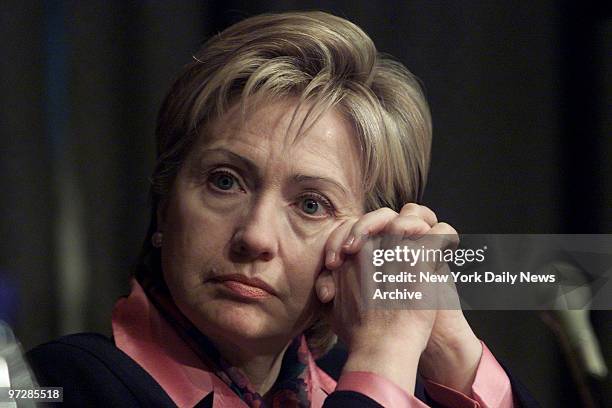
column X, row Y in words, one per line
column 520, row 94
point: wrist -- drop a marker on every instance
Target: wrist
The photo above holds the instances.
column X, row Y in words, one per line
column 452, row 361
column 394, row 360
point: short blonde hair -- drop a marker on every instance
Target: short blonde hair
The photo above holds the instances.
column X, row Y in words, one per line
column 325, row 61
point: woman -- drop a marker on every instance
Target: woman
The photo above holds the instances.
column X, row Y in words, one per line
column 284, row 145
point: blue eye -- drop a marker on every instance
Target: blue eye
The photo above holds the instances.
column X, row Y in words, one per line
column 310, row 206
column 223, row 181
column 316, row 205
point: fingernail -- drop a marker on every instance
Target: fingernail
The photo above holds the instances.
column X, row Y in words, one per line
column 349, row 241
column 331, row 257
column 323, row 293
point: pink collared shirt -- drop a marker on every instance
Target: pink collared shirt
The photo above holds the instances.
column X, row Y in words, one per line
column 144, row 335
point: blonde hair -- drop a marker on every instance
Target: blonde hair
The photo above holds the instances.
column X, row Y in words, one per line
column 326, row 61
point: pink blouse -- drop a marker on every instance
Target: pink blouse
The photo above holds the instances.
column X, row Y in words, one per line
column 143, row 334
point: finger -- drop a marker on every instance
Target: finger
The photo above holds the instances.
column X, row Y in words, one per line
column 325, row 286
column 333, row 247
column 368, row 225
column 419, row 211
column 448, row 233
column 407, row 226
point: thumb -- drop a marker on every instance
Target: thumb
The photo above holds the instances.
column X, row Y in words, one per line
column 325, row 287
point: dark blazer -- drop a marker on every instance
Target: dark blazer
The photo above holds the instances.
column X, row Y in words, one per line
column 94, row 372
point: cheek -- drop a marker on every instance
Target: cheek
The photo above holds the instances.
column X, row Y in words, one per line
column 187, row 251
column 306, row 260
column 301, row 276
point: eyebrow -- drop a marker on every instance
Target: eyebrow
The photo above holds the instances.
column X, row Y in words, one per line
column 248, row 164
column 253, row 168
column 301, row 178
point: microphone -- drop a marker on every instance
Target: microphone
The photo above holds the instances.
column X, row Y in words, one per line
column 573, row 315
column 570, row 320
column 14, row 371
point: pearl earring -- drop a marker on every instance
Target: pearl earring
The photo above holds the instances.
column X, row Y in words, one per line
column 157, row 239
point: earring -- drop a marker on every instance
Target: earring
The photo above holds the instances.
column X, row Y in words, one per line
column 156, row 239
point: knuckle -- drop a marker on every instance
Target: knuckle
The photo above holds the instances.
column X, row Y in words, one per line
column 431, row 212
column 411, row 208
column 407, row 224
column 339, row 234
column 414, row 221
column 373, row 218
column 386, row 211
column 359, row 226
column 426, row 208
column 447, row 229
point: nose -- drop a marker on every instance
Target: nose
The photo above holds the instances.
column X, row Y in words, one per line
column 256, row 237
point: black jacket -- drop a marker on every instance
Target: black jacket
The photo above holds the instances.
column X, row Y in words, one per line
column 94, row 372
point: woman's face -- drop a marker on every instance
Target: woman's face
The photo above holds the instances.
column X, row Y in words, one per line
column 247, row 220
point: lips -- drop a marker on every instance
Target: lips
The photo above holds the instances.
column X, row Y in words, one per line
column 246, row 287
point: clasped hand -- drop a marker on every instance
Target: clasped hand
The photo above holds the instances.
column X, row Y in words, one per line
column 394, row 343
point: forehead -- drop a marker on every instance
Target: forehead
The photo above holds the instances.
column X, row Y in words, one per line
column 282, row 124
column 276, row 134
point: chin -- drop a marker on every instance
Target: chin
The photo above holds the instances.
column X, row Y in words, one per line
column 236, row 321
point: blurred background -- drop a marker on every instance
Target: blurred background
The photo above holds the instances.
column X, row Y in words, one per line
column 520, row 94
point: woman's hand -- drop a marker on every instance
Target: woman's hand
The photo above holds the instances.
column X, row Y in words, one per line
column 453, row 352
column 390, row 342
